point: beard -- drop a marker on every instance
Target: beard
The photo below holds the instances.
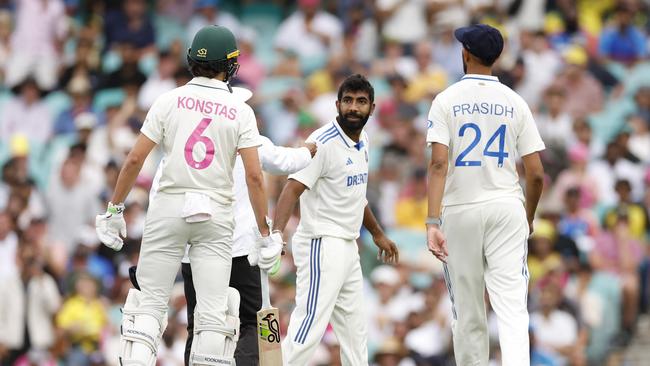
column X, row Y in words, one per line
column 352, row 121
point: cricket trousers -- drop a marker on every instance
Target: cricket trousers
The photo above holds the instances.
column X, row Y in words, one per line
column 329, row 289
column 246, row 279
column 487, row 246
column 163, row 246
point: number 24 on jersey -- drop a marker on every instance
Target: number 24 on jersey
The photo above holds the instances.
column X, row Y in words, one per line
column 500, row 153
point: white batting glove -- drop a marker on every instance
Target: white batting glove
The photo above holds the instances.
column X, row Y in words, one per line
column 270, row 253
column 110, row 226
column 253, row 254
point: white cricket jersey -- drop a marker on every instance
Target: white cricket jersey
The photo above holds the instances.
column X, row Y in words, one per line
column 276, row 160
column 200, row 126
column 486, row 126
column 336, row 179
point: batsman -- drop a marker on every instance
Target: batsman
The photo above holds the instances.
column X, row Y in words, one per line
column 200, row 127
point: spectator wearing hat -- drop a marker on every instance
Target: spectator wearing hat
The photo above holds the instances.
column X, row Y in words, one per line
column 542, row 258
column 584, row 94
column 26, row 114
column 207, row 12
column 41, row 26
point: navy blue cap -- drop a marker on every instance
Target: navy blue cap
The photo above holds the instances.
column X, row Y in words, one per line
column 481, row 40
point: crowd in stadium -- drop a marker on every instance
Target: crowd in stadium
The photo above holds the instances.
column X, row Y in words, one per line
column 78, row 76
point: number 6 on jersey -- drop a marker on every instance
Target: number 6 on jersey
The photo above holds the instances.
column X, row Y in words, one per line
column 208, row 145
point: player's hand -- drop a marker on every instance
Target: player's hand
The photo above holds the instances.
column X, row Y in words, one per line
column 312, row 148
column 437, row 243
column 270, row 253
column 111, row 227
column 388, row 252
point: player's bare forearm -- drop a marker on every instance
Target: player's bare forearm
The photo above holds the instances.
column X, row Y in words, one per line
column 287, row 201
column 437, row 175
column 255, row 183
column 534, row 172
column 370, row 222
column 131, row 167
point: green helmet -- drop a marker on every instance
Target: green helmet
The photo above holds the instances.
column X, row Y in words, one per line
column 216, row 46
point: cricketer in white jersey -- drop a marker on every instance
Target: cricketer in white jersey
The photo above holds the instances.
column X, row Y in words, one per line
column 200, row 127
column 479, row 226
column 333, row 206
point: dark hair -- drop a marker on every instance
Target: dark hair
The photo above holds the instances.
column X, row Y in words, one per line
column 357, row 83
column 212, row 68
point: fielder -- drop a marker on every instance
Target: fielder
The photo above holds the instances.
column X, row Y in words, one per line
column 477, row 128
column 245, row 276
column 333, row 205
column 200, row 126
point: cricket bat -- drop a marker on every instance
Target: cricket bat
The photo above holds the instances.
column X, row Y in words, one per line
column 268, row 328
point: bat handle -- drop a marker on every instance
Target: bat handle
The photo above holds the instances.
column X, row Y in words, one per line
column 264, row 280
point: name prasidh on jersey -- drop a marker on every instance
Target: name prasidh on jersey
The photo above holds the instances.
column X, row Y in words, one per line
column 483, row 108
column 357, row 179
column 206, row 107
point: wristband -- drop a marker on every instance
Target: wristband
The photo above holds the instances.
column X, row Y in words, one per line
column 115, row 209
column 433, row 221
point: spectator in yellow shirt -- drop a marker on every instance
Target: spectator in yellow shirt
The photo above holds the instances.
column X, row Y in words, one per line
column 411, row 210
column 82, row 319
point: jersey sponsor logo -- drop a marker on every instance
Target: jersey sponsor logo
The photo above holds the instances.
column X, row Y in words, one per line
column 349, row 162
column 357, row 179
column 206, row 107
column 483, row 108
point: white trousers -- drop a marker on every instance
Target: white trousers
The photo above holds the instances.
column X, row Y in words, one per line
column 163, row 246
column 329, row 289
column 487, row 245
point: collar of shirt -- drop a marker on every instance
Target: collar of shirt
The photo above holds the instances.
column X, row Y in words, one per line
column 209, row 83
column 480, row 77
column 347, row 140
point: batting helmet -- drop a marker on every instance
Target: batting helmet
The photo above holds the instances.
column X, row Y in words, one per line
column 215, row 46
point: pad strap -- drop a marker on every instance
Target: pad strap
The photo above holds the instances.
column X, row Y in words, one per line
column 210, row 360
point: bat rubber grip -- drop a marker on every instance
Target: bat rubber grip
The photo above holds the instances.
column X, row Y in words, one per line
column 264, row 280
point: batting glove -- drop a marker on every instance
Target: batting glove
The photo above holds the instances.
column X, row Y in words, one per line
column 270, row 253
column 110, row 226
column 253, row 254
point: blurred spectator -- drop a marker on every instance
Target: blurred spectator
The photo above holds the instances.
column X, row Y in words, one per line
column 556, row 331
column 310, row 32
column 412, row 208
column 403, row 21
column 555, row 125
column 26, row 114
column 82, row 319
column 35, row 49
column 128, row 76
column 542, row 257
column 251, row 71
column 361, row 34
column 584, row 95
column 582, row 134
column 622, row 41
column 392, row 353
column 428, row 80
column 383, row 308
column 28, row 300
column 541, row 64
column 68, row 193
column 208, row 12
column 616, row 251
column 131, row 24
column 578, row 223
column 611, row 167
column 639, row 142
column 86, row 63
column 634, row 212
column 8, row 246
column 80, row 91
column 577, row 175
column 160, row 81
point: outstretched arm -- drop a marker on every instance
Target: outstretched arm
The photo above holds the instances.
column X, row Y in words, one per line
column 281, row 160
